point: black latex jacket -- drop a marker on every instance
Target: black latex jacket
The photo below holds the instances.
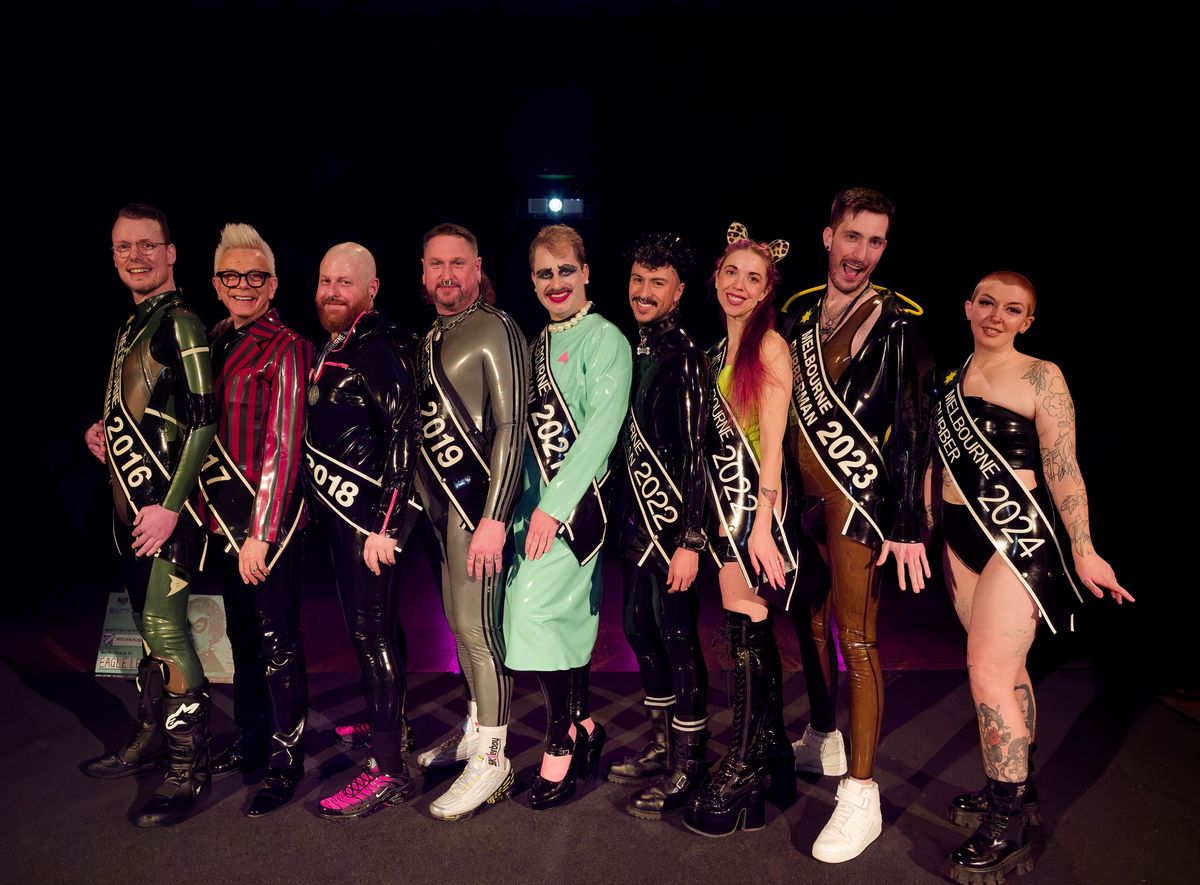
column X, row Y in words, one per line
column 670, row 400
column 888, row 387
column 365, row 411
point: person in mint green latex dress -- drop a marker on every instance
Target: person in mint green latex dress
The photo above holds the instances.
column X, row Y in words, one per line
column 581, row 370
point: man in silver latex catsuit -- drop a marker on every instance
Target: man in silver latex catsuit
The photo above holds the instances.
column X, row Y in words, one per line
column 472, row 385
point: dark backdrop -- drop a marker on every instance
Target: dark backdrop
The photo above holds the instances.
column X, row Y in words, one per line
column 1007, row 147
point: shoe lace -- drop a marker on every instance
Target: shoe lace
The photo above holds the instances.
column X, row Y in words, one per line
column 363, row 784
column 845, row 815
column 729, row 764
column 471, row 775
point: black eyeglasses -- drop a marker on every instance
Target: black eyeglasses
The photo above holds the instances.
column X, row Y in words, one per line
column 231, row 279
column 145, row 247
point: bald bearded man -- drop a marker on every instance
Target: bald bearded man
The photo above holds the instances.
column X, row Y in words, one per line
column 360, row 450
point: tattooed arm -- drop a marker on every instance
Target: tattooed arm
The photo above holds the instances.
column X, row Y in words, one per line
column 1055, row 419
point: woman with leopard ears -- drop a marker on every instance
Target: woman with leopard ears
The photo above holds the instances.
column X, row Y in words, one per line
column 1004, row 427
column 751, row 371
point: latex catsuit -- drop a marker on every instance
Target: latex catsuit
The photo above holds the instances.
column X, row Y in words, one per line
column 670, row 401
column 886, row 385
column 483, row 357
column 361, row 414
column 161, row 381
column 261, row 370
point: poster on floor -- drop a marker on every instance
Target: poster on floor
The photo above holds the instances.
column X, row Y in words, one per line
column 121, row 645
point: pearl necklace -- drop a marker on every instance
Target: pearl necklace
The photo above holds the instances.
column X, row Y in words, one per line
column 573, row 321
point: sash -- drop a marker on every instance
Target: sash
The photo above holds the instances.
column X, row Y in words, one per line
column 452, row 448
column 659, row 500
column 229, row 497
column 732, row 471
column 551, row 431
column 845, row 451
column 142, row 478
column 1007, row 514
column 346, row 492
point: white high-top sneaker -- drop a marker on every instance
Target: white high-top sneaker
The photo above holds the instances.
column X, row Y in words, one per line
column 821, row 753
column 857, row 822
column 460, row 745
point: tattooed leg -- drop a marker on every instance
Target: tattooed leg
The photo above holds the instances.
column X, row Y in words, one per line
column 1001, row 631
column 1005, row 755
column 1027, row 704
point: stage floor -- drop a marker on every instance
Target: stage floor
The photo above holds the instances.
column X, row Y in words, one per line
column 1118, row 777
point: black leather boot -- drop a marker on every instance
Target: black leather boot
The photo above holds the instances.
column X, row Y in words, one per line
column 186, row 725
column 674, row 791
column 968, row 809
column 246, row 753
column 772, row 752
column 1000, row 845
column 278, row 787
column 653, row 760
column 145, row 749
column 734, row 798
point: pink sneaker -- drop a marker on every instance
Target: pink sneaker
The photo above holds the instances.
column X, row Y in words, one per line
column 372, row 789
column 354, row 736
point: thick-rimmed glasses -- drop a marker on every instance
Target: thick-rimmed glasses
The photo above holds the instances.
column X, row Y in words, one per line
column 231, row 279
column 144, row 247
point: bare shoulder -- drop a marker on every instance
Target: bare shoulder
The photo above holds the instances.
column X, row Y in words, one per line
column 1044, row 376
column 774, row 348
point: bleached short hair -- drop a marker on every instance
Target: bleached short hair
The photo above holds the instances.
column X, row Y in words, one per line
column 242, row 236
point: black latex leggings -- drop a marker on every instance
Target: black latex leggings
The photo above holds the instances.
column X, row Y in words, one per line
column 566, row 694
column 369, row 604
column 662, row 631
column 270, row 700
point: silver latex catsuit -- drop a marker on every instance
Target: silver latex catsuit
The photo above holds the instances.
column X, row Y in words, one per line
column 483, row 357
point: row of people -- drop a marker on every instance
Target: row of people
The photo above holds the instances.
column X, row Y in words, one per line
column 495, row 436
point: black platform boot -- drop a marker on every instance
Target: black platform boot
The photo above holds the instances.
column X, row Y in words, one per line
column 687, row 777
column 772, row 752
column 145, row 749
column 1000, row 845
column 653, row 760
column 735, row 798
column 187, row 778
column 968, row 809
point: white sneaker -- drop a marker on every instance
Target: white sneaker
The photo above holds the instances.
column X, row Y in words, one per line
column 856, row 823
column 459, row 746
column 480, row 783
column 819, row 753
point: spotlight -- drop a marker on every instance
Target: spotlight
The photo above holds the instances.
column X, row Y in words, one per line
column 554, row 207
